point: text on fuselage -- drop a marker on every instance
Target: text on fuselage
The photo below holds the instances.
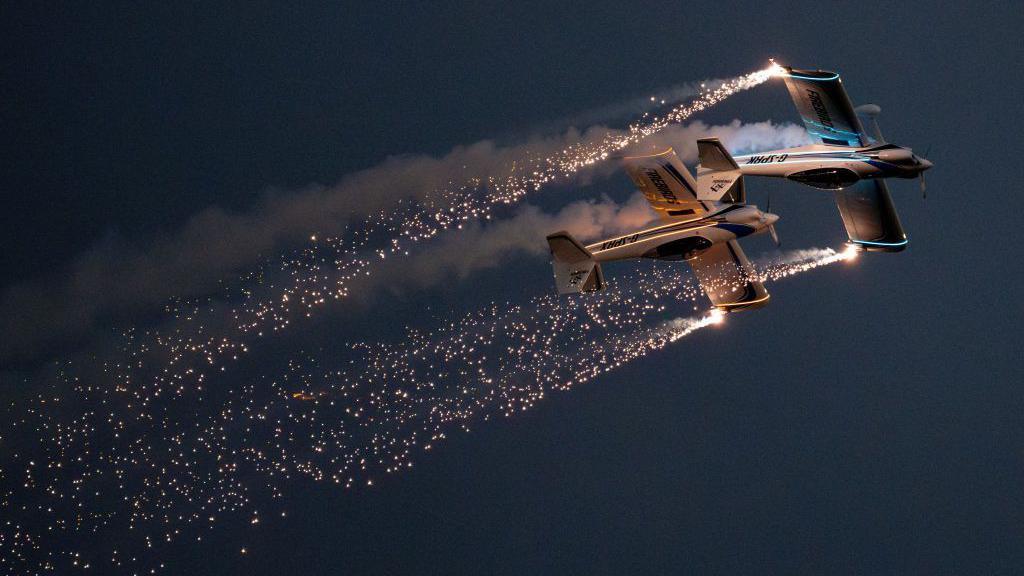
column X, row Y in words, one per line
column 619, row 242
column 767, row 159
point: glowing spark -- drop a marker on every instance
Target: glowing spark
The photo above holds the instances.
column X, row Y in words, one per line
column 851, row 252
column 155, row 441
column 774, row 70
column 370, row 415
column 716, row 316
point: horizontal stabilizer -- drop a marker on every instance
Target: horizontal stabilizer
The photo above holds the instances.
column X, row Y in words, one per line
column 575, row 268
column 719, row 178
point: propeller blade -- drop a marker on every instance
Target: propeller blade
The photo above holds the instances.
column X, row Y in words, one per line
column 924, row 187
column 775, row 235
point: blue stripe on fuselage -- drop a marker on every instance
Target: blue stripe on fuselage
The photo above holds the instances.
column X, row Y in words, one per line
column 740, row 230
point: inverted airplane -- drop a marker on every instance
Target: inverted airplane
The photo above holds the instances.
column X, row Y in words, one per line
column 845, row 158
column 703, row 219
column 708, row 214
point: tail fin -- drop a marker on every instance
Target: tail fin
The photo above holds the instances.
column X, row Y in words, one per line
column 720, row 179
column 575, row 268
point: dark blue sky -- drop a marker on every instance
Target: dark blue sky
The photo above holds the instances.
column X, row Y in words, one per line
column 867, row 421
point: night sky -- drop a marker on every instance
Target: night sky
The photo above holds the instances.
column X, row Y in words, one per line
column 869, row 420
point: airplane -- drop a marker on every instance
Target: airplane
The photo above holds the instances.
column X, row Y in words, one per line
column 703, row 220
column 845, row 158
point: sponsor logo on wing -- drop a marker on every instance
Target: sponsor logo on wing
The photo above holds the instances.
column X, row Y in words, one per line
column 662, row 186
column 819, row 108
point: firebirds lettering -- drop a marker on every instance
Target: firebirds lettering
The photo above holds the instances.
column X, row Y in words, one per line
column 819, row 108
column 662, row 186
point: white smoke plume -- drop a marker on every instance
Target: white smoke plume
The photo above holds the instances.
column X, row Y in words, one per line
column 485, row 246
column 641, row 104
column 114, row 279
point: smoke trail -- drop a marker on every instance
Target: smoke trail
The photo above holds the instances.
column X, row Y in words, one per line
column 188, row 462
column 313, row 278
column 642, row 105
column 405, row 199
column 155, row 443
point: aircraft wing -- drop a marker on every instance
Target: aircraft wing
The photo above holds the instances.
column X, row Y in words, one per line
column 825, row 108
column 728, row 278
column 870, row 216
column 667, row 184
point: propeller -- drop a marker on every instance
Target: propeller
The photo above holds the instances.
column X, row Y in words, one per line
column 771, row 227
column 920, row 176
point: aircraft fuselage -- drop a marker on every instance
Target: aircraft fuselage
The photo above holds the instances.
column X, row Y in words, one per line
column 834, row 167
column 687, row 239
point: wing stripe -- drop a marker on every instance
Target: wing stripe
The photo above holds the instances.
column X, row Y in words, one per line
column 834, row 76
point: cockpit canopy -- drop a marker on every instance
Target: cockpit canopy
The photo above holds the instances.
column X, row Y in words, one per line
column 826, row 178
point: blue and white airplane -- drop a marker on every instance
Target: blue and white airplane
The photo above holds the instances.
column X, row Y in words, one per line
column 705, row 216
column 846, row 159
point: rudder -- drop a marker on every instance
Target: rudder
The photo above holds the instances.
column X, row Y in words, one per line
column 575, row 268
column 719, row 178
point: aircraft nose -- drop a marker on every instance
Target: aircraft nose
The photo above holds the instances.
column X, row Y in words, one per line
column 925, row 164
column 771, row 218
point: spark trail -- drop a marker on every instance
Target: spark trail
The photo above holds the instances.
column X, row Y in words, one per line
column 150, row 446
column 533, row 172
column 323, row 271
column 98, row 470
column 203, row 336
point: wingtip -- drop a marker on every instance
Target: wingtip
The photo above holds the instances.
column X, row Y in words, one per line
column 745, row 305
column 665, row 152
column 873, row 246
column 810, row 74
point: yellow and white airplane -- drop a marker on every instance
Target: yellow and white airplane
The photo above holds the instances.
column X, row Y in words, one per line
column 705, row 216
column 703, row 220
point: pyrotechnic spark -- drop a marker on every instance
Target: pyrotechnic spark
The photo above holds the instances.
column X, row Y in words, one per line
column 851, row 252
column 323, row 271
column 90, row 464
column 148, row 448
column 716, row 317
column 205, row 336
column 803, row 260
